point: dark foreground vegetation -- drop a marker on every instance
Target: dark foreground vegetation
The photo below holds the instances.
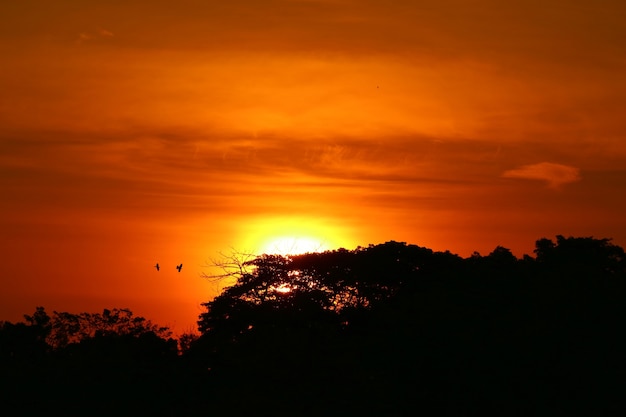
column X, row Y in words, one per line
column 386, row 330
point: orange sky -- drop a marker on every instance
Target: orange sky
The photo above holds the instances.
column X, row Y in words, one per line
column 136, row 132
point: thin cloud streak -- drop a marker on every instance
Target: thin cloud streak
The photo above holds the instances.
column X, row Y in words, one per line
column 555, row 175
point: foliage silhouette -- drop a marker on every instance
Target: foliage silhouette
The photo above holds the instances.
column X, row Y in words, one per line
column 75, row 360
column 468, row 335
column 73, row 328
column 389, row 329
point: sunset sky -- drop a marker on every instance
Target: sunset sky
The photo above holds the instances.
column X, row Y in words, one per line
column 136, row 132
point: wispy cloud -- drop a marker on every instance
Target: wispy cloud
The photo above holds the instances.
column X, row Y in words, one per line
column 105, row 33
column 93, row 35
column 555, row 175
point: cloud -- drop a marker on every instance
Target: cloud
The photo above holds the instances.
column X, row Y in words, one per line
column 92, row 36
column 555, row 175
column 105, row 33
column 84, row 37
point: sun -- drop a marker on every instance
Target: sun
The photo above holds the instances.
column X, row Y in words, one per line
column 293, row 236
column 293, row 245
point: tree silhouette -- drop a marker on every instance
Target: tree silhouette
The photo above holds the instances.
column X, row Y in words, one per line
column 78, row 360
column 25, row 341
column 470, row 335
column 69, row 328
column 389, row 329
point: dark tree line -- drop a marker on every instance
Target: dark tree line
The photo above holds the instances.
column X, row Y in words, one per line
column 386, row 330
column 83, row 364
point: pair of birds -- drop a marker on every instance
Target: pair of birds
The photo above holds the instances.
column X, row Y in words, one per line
column 179, row 267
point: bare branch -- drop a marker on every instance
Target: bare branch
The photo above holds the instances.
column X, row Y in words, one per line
column 233, row 265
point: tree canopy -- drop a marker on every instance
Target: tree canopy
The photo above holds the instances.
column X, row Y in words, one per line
column 388, row 329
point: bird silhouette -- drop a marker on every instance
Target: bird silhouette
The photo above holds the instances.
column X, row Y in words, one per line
column 157, row 266
column 179, row 267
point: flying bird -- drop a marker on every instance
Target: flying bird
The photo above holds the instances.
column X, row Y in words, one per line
column 179, row 267
column 157, row 266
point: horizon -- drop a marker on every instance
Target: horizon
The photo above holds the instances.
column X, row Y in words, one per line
column 134, row 133
column 222, row 282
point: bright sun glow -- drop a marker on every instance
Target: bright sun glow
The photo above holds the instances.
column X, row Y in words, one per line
column 287, row 245
column 283, row 289
column 292, row 236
